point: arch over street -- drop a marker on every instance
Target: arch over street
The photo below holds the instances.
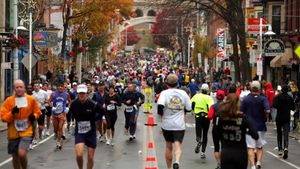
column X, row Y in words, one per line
column 138, row 20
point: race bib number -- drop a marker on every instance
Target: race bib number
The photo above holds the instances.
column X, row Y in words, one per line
column 111, row 107
column 59, row 108
column 21, row 125
column 129, row 109
column 84, row 127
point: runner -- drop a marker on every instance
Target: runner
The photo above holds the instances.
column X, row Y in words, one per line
column 41, row 97
column 232, row 127
column 173, row 104
column 99, row 97
column 256, row 107
column 284, row 104
column 84, row 111
column 58, row 101
column 73, row 95
column 112, row 100
column 47, row 88
column 201, row 103
column 214, row 115
column 130, row 99
column 19, row 111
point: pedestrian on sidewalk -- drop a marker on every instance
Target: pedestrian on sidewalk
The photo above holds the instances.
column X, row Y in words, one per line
column 19, row 111
column 173, row 104
column 284, row 104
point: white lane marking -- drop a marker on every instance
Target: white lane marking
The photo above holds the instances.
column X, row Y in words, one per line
column 41, row 142
column 282, row 160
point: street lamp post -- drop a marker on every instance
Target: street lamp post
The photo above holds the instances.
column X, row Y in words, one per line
column 269, row 32
column 15, row 58
column 30, row 40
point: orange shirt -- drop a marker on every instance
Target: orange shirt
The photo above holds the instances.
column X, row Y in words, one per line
column 23, row 115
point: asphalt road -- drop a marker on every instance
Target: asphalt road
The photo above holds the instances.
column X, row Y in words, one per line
column 146, row 151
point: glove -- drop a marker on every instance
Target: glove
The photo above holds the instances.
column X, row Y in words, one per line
column 15, row 110
column 32, row 117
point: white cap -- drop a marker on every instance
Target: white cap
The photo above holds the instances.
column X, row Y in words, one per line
column 82, row 89
column 255, row 84
column 193, row 80
column 204, row 86
column 74, row 83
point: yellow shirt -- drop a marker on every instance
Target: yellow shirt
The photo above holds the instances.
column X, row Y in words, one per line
column 202, row 103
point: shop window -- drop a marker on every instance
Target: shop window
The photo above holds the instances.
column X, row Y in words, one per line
column 276, row 19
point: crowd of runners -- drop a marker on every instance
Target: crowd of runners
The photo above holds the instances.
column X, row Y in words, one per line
column 237, row 112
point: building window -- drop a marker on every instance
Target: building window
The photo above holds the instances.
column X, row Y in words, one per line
column 276, row 20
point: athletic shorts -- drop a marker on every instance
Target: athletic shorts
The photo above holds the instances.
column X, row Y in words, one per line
column 173, row 135
column 59, row 117
column 41, row 120
column 16, row 144
column 49, row 111
column 251, row 143
column 89, row 139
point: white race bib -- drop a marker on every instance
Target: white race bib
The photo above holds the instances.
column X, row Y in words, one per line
column 111, row 107
column 84, row 127
column 21, row 125
column 129, row 109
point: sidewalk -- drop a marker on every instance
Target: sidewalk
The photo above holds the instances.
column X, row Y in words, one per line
column 3, row 126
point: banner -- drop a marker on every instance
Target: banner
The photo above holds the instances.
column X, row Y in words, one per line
column 221, row 43
column 45, row 39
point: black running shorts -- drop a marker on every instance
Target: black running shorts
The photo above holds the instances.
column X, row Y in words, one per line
column 172, row 136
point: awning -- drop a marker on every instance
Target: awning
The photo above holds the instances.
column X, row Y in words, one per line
column 283, row 59
column 286, row 57
column 276, row 62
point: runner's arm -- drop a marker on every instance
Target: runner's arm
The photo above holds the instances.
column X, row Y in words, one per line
column 160, row 109
column 50, row 100
column 6, row 115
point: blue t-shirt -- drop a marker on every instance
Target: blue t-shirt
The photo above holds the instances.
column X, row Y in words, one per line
column 193, row 88
column 254, row 107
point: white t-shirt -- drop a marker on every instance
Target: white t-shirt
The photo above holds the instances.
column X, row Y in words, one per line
column 243, row 94
column 175, row 101
column 48, row 92
column 41, row 97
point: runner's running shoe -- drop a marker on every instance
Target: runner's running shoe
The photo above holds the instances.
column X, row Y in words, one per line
column 197, row 149
column 175, row 166
column 203, row 156
column 285, row 153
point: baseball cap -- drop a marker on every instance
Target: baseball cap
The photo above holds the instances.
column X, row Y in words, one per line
column 74, row 84
column 82, row 89
column 204, row 86
column 255, row 84
column 220, row 95
column 172, row 79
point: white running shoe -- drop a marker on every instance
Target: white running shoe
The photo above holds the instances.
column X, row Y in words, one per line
column 30, row 147
column 34, row 142
column 108, row 142
column 112, row 142
column 47, row 133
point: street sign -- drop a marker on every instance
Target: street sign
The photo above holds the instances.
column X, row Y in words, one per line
column 274, row 47
column 221, row 43
column 25, row 61
column 6, row 65
column 259, row 67
column 253, row 25
column 297, row 51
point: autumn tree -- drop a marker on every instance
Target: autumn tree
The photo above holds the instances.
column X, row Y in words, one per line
column 230, row 11
column 131, row 36
column 92, row 20
column 204, row 47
